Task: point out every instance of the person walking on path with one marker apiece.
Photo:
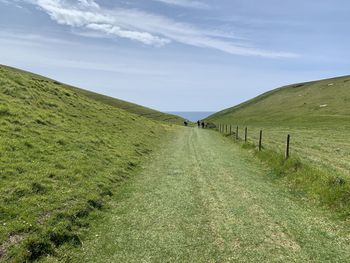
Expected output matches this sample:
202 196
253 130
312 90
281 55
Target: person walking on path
199 124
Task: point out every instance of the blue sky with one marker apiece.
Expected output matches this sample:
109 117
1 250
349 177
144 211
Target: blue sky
177 55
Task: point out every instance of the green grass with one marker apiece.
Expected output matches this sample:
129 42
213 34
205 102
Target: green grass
202 198
69 190
121 104
133 108
319 134
317 116
63 154
314 104
318 184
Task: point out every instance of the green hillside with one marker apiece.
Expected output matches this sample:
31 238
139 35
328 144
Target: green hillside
128 106
314 103
316 114
131 107
63 153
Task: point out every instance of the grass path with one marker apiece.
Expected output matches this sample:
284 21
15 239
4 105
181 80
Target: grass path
202 200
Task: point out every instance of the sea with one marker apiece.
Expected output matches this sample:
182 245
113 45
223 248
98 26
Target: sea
192 115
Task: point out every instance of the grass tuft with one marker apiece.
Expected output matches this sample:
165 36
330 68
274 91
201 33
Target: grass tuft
60 237
4 111
38 188
97 203
36 248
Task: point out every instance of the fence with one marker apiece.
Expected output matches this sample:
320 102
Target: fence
223 128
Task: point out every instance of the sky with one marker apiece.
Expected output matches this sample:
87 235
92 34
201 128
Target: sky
177 55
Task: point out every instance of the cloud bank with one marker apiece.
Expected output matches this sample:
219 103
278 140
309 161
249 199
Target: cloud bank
144 27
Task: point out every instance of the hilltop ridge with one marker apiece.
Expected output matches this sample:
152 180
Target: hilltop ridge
311 103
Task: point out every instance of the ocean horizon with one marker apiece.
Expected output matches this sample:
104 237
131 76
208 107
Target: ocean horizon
192 115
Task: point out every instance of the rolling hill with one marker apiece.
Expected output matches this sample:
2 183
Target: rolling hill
132 108
316 114
121 104
324 102
63 153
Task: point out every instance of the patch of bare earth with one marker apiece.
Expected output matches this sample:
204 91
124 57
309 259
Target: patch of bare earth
13 240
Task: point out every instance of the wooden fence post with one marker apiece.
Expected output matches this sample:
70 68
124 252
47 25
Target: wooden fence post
226 129
260 140
246 134
287 147
230 129
237 133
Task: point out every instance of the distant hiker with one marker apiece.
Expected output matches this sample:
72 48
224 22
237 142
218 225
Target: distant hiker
199 124
186 123
203 124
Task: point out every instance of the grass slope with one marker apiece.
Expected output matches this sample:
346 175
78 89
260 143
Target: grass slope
62 155
317 103
204 199
316 114
133 108
121 104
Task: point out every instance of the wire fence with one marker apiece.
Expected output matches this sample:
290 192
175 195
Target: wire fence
227 129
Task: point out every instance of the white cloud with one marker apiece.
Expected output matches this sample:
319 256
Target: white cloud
144 27
87 14
21 47
143 37
88 3
185 3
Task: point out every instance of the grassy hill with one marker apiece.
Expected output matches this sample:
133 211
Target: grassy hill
131 107
317 103
63 153
121 104
316 114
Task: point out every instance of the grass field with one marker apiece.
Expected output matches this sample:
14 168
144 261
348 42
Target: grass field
202 198
317 116
62 155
